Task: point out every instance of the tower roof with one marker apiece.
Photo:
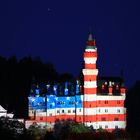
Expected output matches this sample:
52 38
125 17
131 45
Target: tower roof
90 37
91 43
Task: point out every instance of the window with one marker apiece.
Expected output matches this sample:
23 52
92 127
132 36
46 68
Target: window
74 111
106 126
58 103
103 119
116 126
62 111
106 110
79 110
118 102
118 110
41 118
116 119
99 110
58 111
106 102
71 102
69 111
100 126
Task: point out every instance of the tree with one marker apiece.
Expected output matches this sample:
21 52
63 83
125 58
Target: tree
11 129
35 132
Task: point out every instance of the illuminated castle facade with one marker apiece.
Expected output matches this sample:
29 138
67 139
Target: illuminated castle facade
99 102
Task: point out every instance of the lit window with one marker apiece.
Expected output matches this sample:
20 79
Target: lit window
106 126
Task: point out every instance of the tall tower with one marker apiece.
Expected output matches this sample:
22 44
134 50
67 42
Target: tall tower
90 83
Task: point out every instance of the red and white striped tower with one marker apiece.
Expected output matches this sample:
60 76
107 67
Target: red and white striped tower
90 83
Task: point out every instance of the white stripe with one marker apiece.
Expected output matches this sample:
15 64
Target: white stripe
91 50
90 60
110 110
66 110
89 111
91 123
111 124
90 97
88 84
90 71
108 97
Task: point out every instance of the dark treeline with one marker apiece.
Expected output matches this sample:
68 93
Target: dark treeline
16 78
133 108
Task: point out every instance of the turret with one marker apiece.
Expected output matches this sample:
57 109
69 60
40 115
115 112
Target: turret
90 82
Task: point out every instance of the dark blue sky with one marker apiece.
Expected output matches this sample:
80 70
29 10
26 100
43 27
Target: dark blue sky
57 30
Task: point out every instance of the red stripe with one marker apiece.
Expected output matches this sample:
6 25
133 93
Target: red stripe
89 118
90 54
110 103
90 66
90 90
80 118
90 77
111 117
89 104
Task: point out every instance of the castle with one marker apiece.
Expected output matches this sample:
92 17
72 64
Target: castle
98 102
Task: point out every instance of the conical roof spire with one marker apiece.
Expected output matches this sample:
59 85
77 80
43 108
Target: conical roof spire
91 43
90 37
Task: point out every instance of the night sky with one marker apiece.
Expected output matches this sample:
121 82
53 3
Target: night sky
57 31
